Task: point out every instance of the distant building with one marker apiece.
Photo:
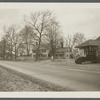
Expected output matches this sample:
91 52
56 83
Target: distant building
91 47
63 52
43 51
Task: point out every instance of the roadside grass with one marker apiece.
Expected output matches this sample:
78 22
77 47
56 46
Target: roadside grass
62 63
11 80
70 63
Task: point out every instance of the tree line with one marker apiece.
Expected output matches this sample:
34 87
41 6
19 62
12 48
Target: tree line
40 27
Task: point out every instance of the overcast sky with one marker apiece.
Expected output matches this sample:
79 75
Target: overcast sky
73 17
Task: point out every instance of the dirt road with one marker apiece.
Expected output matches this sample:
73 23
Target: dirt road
74 79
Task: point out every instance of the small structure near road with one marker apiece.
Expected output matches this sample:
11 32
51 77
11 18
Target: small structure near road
91 51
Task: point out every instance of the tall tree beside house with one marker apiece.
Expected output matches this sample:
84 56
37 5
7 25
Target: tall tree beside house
72 41
40 21
78 38
12 38
28 37
8 32
53 35
17 43
3 47
69 42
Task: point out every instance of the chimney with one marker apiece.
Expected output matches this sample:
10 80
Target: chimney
61 43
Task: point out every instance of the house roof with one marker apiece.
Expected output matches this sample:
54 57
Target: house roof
62 49
42 46
89 43
98 39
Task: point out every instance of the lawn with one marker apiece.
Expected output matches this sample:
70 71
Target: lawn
70 63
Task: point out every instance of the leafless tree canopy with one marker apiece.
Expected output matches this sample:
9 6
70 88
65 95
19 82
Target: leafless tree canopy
78 38
40 22
39 27
12 38
53 36
28 37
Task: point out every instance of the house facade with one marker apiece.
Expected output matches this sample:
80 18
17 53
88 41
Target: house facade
63 53
91 47
43 51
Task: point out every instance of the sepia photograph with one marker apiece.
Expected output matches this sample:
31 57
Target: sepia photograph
49 47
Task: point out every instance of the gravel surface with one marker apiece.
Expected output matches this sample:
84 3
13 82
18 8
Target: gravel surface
11 80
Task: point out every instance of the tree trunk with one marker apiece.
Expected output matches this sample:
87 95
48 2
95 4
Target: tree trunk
27 50
4 52
15 52
37 53
11 52
52 48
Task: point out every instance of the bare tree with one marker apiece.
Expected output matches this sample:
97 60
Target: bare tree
69 42
27 34
72 41
3 47
40 21
53 35
78 38
16 42
12 39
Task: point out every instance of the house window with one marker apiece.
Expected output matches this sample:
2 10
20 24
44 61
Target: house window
34 51
44 55
43 50
94 48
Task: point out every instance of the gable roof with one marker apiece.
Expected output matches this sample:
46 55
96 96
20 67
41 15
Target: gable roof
90 43
64 49
98 39
42 46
